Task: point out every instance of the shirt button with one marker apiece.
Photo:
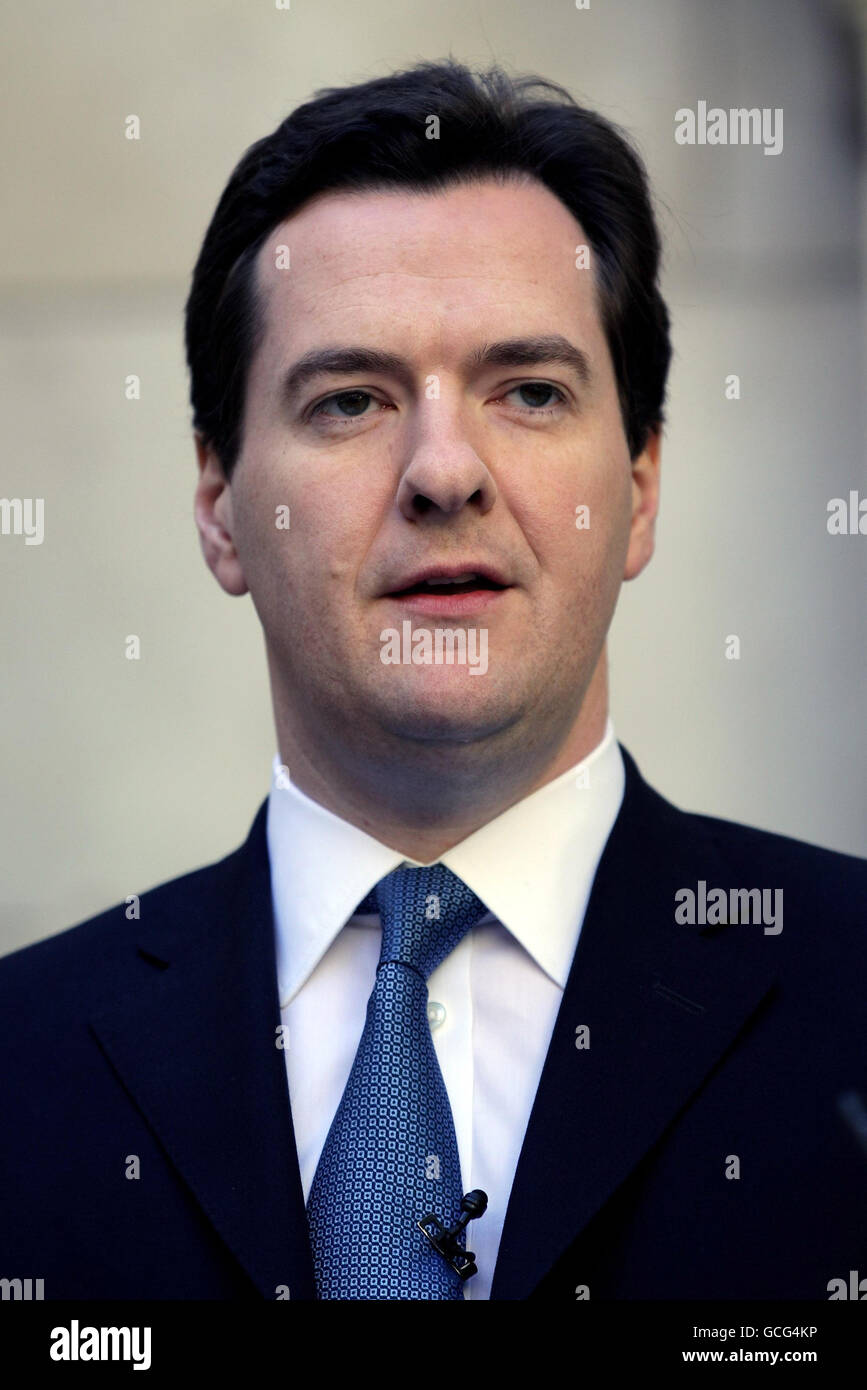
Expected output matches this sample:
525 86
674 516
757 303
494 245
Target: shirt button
436 1014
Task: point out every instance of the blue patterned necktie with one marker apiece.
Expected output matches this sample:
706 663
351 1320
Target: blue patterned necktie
391 1154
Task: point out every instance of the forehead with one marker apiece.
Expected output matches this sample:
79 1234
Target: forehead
418 263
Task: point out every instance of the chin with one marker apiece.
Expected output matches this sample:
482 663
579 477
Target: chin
438 716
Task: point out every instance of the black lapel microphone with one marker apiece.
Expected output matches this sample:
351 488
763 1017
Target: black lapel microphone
473 1204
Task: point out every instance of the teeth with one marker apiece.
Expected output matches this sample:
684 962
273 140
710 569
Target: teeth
451 579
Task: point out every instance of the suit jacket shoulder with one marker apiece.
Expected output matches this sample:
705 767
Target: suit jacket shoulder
829 883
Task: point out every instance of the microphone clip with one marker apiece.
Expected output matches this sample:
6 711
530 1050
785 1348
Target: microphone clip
463 1262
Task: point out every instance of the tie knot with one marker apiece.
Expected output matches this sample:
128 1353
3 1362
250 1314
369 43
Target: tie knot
425 912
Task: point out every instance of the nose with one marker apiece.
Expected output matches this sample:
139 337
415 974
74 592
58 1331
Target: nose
444 475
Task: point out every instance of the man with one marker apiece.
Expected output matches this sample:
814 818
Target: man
465 946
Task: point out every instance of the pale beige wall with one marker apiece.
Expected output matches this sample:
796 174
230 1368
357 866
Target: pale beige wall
119 774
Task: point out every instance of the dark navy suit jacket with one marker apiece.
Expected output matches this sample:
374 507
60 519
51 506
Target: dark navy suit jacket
156 1038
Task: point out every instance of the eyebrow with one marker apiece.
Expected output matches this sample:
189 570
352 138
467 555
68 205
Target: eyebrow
510 352
530 352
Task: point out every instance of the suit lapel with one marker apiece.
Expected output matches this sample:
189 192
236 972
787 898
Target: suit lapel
191 1031
192 1034
662 1003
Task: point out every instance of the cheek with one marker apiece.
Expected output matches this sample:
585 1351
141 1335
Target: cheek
278 516
577 525
604 510
302 544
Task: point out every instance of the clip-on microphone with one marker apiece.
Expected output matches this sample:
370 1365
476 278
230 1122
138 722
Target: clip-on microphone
473 1204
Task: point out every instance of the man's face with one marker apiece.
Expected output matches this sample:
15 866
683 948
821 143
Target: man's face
463 454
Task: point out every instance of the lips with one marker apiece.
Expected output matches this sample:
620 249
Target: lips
449 581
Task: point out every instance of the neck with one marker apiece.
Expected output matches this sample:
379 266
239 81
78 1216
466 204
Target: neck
424 800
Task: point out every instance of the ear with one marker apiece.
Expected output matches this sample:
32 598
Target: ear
645 504
213 512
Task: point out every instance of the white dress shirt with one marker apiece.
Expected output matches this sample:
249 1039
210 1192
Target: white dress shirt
492 1002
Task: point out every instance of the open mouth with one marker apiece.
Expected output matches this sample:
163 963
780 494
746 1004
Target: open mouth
461 584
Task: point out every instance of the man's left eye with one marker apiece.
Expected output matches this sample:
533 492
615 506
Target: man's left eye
537 395
348 405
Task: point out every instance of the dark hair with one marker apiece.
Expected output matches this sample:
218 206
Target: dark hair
373 135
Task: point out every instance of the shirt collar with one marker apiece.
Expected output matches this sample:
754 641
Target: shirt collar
533 865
